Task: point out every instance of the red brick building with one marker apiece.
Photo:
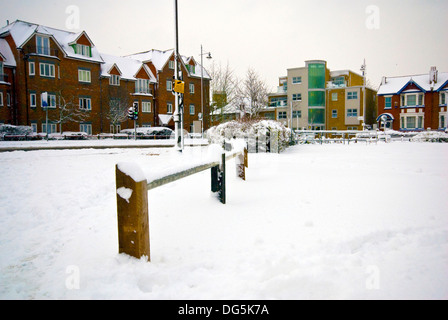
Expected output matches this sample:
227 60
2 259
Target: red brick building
88 91
413 103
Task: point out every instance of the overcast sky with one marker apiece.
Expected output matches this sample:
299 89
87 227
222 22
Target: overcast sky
396 37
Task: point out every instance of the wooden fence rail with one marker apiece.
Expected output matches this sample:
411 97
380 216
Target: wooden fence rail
132 198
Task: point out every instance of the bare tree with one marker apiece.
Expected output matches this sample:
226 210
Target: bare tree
254 90
118 112
67 111
223 87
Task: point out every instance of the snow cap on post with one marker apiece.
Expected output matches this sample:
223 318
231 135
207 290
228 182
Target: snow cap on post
132 170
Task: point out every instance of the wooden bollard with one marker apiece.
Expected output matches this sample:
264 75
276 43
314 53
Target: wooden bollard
132 209
241 164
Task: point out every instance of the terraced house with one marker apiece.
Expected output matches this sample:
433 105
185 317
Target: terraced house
89 91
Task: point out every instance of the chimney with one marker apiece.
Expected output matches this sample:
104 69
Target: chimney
433 75
384 81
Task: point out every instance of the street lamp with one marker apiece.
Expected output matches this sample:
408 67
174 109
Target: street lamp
209 56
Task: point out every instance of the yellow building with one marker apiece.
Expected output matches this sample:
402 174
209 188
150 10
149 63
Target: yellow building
348 107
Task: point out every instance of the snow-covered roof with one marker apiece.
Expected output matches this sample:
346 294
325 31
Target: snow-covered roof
22 31
160 58
6 53
128 67
339 73
396 85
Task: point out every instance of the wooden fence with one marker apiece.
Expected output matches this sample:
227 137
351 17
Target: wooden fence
132 199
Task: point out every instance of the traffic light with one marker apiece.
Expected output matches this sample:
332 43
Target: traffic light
131 113
135 110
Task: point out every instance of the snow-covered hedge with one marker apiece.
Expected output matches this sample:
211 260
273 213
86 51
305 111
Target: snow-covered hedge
7 129
431 136
248 129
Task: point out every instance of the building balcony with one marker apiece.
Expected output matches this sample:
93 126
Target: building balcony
336 84
41 51
3 77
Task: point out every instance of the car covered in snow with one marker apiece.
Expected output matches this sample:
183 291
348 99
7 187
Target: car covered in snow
156 133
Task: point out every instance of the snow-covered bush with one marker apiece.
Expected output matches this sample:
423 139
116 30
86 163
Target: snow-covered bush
248 129
7 129
431 136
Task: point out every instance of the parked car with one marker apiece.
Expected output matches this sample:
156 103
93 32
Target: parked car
156 133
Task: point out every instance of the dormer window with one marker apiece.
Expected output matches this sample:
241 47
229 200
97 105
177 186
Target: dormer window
191 68
43 45
114 80
142 86
83 50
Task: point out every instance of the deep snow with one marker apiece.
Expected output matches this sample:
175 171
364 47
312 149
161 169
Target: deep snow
317 221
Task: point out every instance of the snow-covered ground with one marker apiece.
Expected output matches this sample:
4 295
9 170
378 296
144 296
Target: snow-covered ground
315 222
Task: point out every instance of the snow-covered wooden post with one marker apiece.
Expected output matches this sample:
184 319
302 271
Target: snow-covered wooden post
132 208
241 164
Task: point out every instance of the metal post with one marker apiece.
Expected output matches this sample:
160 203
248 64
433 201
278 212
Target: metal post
202 94
178 132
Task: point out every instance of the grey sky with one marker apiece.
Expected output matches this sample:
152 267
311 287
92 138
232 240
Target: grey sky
268 35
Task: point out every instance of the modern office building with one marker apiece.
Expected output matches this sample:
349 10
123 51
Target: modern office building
314 98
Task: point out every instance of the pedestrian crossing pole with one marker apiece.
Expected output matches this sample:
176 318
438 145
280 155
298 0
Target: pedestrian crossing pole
178 112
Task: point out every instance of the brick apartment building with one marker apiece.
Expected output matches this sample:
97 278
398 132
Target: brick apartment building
89 91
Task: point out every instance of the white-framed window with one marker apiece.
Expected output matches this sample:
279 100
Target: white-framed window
33 100
191 88
83 50
169 107
443 97
352 112
52 127
142 86
1 99
84 76
169 85
171 64
85 127
334 113
334 96
297 97
47 70
192 111
51 101
191 68
352 95
442 121
297 114
115 129
297 80
387 102
85 103
114 80
32 68
411 122
43 45
146 106
412 100
282 115
34 126
8 99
